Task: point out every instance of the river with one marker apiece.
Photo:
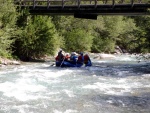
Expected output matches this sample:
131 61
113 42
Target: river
119 85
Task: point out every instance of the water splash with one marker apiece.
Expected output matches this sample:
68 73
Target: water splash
104 88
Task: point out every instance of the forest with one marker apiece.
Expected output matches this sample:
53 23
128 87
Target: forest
24 36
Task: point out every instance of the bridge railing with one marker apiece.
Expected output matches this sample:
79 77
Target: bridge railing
78 3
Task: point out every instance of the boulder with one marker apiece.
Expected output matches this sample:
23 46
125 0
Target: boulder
106 56
5 61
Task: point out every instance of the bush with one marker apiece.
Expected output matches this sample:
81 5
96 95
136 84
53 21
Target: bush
78 40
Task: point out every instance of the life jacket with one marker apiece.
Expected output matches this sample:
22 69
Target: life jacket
67 57
86 59
56 58
80 59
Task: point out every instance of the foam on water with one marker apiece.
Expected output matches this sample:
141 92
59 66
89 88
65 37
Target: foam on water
114 89
126 58
40 88
69 93
21 89
26 86
121 58
22 108
67 111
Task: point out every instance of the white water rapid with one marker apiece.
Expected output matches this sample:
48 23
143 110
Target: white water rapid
119 85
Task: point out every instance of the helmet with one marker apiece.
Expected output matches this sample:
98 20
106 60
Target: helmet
73 53
81 53
67 54
60 50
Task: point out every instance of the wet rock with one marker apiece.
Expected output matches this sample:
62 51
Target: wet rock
15 63
102 56
106 56
118 50
4 61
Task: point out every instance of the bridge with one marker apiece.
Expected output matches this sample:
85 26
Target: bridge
86 8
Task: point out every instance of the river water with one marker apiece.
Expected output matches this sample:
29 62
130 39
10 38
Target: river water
119 85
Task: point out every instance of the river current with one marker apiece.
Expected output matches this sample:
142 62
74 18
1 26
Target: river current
119 85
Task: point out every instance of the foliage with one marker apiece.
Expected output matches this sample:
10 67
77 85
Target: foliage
35 36
7 26
76 32
103 45
143 33
38 37
108 32
78 40
126 39
113 31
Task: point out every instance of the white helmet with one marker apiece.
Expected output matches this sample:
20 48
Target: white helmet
60 50
73 53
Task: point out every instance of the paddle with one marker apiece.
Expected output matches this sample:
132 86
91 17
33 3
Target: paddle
62 62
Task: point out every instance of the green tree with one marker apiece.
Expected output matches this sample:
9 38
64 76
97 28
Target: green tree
78 40
77 33
7 26
110 31
105 33
143 40
126 39
39 37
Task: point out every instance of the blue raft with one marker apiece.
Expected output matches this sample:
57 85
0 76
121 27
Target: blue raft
69 64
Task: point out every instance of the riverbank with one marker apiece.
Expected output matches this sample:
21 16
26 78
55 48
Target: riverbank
5 61
97 56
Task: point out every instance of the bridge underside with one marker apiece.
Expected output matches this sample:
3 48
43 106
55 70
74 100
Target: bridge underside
137 9
89 11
